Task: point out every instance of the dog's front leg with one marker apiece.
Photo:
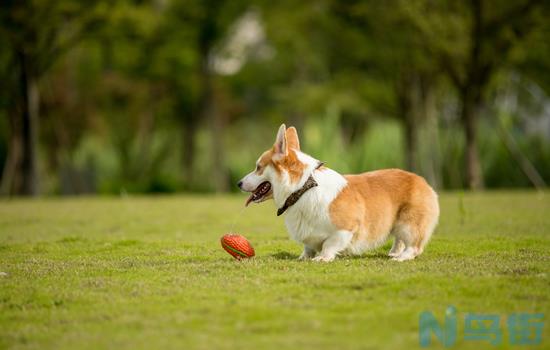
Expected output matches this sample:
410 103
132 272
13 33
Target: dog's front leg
307 254
334 245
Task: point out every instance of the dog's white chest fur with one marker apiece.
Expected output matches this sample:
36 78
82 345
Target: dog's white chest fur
308 220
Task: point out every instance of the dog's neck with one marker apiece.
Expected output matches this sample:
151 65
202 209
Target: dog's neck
296 195
316 199
284 186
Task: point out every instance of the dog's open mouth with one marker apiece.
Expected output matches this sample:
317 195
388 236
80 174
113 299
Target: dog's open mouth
260 194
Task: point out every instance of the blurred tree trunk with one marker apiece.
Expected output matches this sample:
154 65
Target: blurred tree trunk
470 86
469 116
296 116
431 158
411 142
219 166
471 96
21 175
209 110
490 42
31 102
11 174
36 44
416 103
213 115
188 151
407 95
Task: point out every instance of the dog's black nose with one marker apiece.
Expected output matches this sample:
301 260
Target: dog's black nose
240 184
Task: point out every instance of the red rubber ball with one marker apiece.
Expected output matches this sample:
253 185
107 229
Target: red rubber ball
237 246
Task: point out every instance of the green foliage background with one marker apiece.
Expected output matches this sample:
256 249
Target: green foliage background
122 90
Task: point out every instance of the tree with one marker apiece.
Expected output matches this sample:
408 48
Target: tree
35 44
205 24
398 58
473 40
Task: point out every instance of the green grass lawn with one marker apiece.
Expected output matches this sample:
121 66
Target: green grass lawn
149 272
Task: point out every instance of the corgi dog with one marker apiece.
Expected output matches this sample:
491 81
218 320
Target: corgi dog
333 214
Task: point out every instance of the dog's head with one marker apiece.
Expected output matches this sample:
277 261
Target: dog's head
280 170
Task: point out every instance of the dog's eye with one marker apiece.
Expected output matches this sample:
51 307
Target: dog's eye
258 167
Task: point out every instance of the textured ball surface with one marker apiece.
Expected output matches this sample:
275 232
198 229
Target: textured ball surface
237 246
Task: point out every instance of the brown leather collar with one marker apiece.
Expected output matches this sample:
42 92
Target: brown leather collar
295 196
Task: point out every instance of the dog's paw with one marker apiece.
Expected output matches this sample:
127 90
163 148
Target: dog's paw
307 254
403 257
323 258
407 254
304 256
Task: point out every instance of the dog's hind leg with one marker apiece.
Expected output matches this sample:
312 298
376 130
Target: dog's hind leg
397 247
405 236
426 228
334 245
415 227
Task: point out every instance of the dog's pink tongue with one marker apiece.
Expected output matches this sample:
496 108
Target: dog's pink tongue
249 199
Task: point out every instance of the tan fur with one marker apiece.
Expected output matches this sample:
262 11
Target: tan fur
377 202
265 160
292 138
290 163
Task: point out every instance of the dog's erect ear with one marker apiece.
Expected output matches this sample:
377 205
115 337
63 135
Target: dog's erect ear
292 138
281 146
